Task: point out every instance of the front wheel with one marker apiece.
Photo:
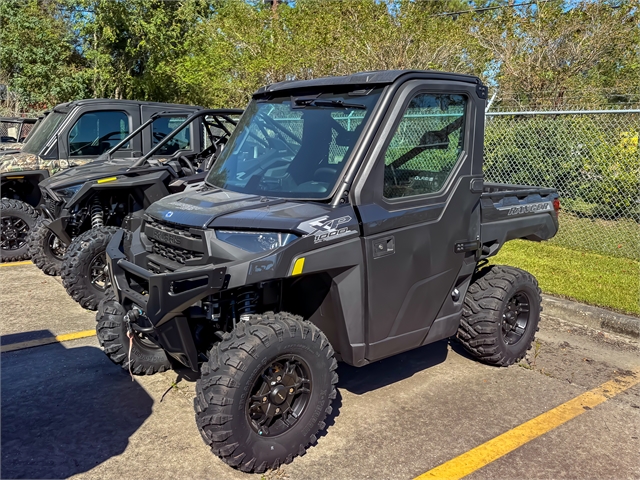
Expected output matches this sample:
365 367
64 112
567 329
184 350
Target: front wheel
46 249
500 315
84 267
265 391
18 220
143 358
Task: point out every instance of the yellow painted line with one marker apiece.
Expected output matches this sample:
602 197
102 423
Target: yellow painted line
46 341
297 268
499 446
15 264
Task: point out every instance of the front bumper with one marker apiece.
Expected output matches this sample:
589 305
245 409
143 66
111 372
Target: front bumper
164 297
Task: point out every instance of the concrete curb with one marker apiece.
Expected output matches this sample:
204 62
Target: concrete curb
594 317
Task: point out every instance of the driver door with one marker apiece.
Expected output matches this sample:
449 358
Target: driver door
418 206
96 131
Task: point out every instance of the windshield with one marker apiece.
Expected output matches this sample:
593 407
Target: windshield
293 147
38 139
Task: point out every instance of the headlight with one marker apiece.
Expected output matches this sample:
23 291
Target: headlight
256 242
69 192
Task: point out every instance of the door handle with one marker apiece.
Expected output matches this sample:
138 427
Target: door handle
383 247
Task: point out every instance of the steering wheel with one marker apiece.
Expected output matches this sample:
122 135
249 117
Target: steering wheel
186 163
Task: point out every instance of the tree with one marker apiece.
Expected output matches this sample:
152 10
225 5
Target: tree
38 56
544 50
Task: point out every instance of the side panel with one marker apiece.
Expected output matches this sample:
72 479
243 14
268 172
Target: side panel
338 272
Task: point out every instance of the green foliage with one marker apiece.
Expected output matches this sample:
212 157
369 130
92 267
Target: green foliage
38 56
587 277
217 52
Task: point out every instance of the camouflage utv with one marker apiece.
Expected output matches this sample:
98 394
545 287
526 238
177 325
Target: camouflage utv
71 134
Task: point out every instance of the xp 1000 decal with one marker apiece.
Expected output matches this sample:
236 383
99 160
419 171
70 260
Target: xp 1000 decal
323 229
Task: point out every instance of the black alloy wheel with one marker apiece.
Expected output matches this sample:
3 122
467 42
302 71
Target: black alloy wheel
46 249
515 318
56 247
85 274
279 396
265 391
14 233
100 272
17 221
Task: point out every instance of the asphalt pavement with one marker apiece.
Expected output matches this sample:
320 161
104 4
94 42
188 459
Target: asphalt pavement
67 411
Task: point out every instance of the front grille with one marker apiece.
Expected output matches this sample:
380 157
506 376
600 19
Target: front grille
168 250
171 228
175 254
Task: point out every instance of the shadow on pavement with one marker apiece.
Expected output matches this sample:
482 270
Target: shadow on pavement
385 372
64 411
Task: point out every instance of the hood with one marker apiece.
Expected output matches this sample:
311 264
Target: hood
17 161
239 211
87 172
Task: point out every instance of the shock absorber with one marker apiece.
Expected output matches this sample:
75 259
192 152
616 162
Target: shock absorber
246 302
96 213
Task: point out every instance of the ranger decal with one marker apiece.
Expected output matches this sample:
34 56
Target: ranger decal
530 208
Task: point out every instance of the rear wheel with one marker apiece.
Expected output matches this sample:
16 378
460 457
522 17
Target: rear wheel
500 315
265 391
17 221
84 267
46 249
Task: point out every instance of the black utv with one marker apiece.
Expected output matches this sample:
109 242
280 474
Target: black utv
70 134
346 219
86 204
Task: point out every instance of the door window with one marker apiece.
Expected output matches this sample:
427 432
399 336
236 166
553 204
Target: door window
426 145
163 126
96 132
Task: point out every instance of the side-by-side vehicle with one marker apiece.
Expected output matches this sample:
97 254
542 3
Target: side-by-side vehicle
346 219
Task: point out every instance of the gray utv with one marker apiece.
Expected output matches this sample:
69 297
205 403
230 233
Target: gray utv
347 219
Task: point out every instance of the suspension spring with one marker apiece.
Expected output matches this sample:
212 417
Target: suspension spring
96 214
246 302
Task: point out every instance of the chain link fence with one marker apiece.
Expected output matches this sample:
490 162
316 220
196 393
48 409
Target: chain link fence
591 157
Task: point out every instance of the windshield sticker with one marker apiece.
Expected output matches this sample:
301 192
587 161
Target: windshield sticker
323 229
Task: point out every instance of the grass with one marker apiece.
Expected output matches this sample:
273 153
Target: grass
592 278
618 238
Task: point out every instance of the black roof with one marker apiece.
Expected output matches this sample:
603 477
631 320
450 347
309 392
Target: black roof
92 101
379 77
18 120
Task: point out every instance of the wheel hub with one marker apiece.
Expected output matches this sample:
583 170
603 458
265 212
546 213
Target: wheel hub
14 233
515 318
279 396
100 273
56 247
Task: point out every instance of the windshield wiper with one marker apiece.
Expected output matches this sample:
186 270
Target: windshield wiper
312 102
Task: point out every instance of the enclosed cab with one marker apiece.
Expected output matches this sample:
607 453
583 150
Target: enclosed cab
347 218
